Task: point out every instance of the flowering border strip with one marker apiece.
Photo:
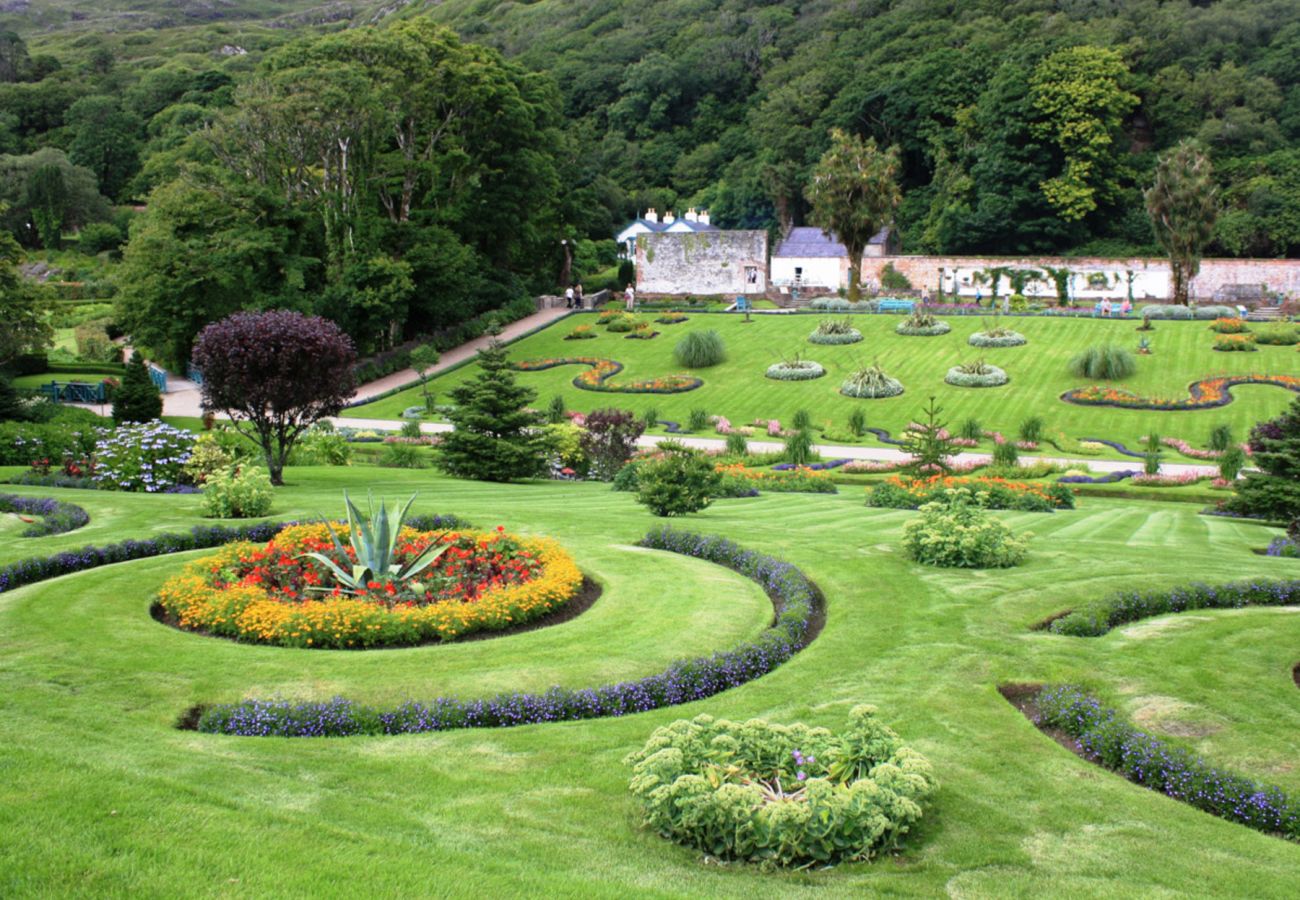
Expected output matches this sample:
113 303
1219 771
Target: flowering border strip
1103 738
602 370
200 537
57 517
1122 607
1108 478
1207 393
797 606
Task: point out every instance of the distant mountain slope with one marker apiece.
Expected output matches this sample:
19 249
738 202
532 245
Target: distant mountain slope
33 16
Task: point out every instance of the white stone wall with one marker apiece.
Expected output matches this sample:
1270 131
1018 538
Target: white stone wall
706 262
807 271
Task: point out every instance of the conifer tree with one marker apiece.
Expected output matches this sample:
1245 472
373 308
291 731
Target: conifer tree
1274 491
137 399
495 437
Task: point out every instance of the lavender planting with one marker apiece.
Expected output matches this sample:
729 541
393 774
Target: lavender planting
1122 607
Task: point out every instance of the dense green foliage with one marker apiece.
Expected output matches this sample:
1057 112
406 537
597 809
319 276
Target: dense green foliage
681 481
137 399
956 532
1108 362
700 350
1274 491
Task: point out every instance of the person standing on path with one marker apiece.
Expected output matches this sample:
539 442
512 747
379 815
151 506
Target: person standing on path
577 296
568 297
629 295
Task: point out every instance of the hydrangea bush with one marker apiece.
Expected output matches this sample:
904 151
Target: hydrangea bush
781 794
150 456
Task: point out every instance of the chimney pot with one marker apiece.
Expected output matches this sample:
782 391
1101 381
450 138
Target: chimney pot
704 217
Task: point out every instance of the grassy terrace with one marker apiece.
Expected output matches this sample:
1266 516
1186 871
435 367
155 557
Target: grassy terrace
737 389
101 795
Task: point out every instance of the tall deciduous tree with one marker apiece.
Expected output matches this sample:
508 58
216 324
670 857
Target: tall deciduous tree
26 327
1183 205
1079 94
106 141
853 194
275 374
496 437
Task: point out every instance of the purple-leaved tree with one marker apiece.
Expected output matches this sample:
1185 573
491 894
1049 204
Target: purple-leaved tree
275 373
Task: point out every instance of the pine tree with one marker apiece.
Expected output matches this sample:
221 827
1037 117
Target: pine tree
495 437
1274 492
137 399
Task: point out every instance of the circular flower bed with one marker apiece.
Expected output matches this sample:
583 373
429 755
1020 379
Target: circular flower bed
275 594
852 336
988 376
871 383
784 794
1004 339
798 370
937 328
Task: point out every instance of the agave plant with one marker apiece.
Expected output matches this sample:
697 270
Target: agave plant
374 540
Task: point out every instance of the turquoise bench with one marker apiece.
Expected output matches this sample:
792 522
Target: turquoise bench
906 306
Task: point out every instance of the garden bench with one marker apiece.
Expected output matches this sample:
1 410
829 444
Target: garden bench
906 306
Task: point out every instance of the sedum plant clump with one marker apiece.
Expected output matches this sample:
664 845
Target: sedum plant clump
786 795
957 532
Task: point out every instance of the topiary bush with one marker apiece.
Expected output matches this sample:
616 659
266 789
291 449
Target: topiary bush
700 350
956 532
680 482
976 374
238 492
871 383
922 324
1107 362
787 795
835 331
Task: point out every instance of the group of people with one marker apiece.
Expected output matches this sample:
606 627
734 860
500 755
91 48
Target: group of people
1105 307
573 297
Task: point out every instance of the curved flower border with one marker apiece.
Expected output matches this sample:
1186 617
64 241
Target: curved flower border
795 599
1204 394
602 370
56 516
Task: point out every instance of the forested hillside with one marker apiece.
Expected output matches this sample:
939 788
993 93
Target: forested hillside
727 103
401 179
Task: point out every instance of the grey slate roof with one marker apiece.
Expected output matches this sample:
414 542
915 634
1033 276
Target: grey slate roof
664 226
813 243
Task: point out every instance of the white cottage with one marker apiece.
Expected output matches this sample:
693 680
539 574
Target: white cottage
810 258
695 220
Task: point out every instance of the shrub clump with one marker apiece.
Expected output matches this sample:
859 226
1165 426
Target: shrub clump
1235 343
835 331
1107 362
976 374
680 482
1229 325
1173 771
955 531
922 324
781 794
700 350
1284 336
871 383
238 493
621 324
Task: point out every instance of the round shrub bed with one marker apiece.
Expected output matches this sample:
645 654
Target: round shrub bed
934 330
850 337
798 617
55 516
1003 339
276 594
795 370
784 794
987 376
871 383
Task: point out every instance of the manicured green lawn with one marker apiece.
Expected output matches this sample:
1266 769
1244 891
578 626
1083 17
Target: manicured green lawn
35 381
101 795
738 390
